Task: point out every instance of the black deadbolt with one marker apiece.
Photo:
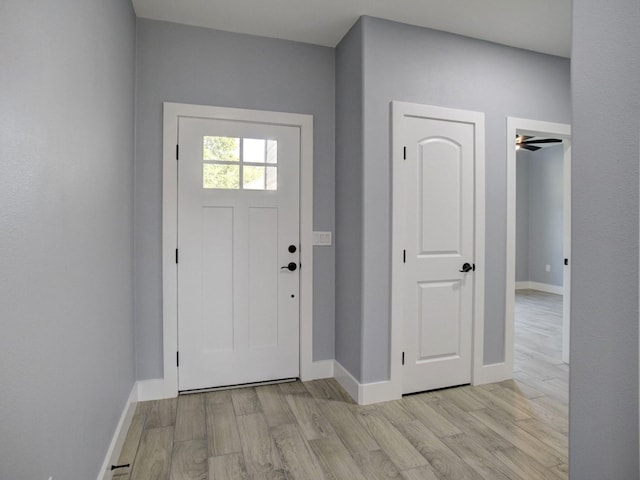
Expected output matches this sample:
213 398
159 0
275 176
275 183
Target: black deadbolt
292 249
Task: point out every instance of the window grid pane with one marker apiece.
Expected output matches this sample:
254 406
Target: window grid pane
224 149
254 178
220 176
254 150
239 163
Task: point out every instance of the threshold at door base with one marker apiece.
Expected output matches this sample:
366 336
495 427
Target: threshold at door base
436 389
240 385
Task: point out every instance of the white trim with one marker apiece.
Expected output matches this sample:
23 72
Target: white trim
347 381
541 287
364 393
531 127
496 372
120 435
317 370
478 367
566 301
155 389
400 109
172 111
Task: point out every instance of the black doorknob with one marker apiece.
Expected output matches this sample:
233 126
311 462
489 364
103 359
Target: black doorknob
466 268
291 267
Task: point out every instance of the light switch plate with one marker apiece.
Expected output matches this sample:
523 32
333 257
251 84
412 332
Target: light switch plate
322 238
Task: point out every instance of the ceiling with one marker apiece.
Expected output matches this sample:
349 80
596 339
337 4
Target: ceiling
540 25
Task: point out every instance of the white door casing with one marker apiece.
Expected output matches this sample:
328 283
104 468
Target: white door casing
566 299
437 311
167 387
546 129
238 314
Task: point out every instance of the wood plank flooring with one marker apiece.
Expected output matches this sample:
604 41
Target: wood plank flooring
515 430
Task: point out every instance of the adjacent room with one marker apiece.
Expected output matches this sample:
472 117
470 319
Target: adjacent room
295 240
542 296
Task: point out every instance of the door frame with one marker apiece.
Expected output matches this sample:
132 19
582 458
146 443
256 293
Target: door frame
172 111
398 237
535 127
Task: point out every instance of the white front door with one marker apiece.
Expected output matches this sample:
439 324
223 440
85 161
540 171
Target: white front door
439 190
238 226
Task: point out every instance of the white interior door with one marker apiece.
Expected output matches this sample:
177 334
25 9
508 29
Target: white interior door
438 180
238 225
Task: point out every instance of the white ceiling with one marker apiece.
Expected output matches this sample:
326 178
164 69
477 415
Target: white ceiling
540 25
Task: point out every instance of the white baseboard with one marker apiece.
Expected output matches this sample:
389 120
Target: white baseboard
542 287
158 388
364 393
493 373
376 392
347 381
154 389
318 370
120 435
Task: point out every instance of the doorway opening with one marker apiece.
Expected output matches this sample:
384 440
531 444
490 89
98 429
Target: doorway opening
538 250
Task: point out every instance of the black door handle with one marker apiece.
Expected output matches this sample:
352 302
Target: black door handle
466 268
291 267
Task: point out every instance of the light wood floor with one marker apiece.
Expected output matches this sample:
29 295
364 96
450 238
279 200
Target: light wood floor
312 430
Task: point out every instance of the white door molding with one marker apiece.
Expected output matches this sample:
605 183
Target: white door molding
534 128
168 386
399 110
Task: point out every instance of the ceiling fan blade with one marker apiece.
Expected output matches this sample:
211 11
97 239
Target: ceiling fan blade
522 138
542 140
531 148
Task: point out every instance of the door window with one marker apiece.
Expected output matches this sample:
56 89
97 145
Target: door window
239 163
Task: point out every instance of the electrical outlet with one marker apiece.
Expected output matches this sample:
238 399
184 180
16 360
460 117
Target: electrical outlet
547 268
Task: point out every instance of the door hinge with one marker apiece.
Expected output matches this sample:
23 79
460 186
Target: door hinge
566 261
474 267
403 358
177 359
177 152
405 153
404 256
176 255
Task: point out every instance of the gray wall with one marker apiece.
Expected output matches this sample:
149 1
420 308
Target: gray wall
522 215
542 207
546 215
66 214
349 118
178 63
603 413
420 65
